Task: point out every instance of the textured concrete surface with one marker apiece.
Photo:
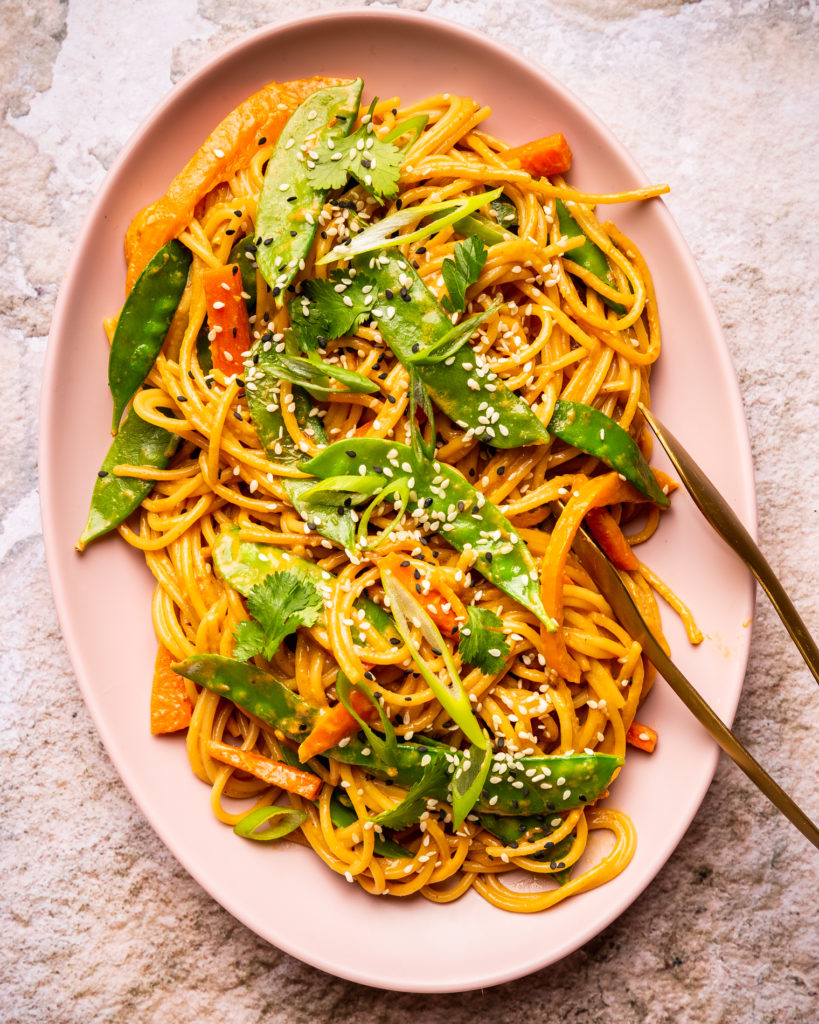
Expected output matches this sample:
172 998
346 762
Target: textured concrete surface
720 97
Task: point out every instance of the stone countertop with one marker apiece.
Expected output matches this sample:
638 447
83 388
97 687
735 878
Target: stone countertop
100 923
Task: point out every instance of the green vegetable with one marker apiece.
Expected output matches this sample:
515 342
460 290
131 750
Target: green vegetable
515 786
280 603
144 322
461 271
481 641
264 401
374 163
451 696
418 330
315 377
513 831
506 212
433 776
288 820
593 432
289 205
115 497
328 309
244 565
588 255
342 814
447 504
378 235
469 779
451 342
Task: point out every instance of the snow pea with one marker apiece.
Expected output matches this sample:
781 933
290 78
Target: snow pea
446 504
342 814
589 256
468 394
289 206
244 564
115 497
330 518
516 785
144 322
592 431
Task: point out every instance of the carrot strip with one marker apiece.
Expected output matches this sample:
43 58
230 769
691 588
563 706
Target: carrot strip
224 152
274 773
171 708
590 494
335 725
642 737
543 157
609 536
228 325
433 601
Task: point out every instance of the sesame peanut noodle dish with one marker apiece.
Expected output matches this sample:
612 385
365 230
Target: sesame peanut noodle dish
374 370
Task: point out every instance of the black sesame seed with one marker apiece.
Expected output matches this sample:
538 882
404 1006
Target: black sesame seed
351 453
102 473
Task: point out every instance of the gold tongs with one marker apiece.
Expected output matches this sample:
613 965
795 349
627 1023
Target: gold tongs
721 516
610 585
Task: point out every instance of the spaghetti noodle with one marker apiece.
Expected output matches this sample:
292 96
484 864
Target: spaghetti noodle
553 331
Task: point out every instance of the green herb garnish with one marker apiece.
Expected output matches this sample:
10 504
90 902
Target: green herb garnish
461 271
279 605
481 641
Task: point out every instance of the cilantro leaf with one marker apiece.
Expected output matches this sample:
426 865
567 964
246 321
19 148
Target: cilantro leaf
249 640
281 603
462 271
322 312
409 811
481 642
374 163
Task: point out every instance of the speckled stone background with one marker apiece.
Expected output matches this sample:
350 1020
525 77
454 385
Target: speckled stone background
100 923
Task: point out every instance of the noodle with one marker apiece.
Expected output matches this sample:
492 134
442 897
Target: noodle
556 338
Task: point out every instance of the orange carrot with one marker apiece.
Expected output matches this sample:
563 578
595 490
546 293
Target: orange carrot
274 773
171 708
228 148
590 494
642 737
335 725
432 601
609 536
228 325
543 157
